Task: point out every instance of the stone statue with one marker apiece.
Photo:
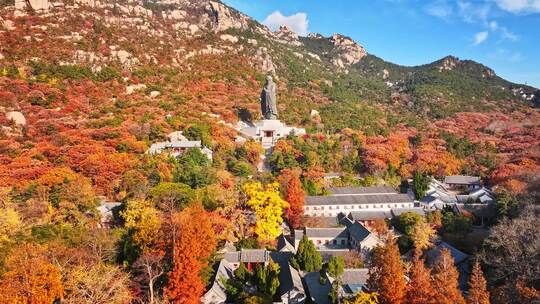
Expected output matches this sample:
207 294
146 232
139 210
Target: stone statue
268 99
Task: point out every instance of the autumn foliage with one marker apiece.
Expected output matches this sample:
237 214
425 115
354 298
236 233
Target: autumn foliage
195 243
31 278
478 293
294 195
419 288
445 280
387 274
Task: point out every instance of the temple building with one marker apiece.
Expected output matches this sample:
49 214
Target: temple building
270 129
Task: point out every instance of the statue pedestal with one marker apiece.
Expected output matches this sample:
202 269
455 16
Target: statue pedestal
268 131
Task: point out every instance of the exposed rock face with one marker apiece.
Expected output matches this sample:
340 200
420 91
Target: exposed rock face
20 5
449 63
265 60
286 35
125 58
385 74
347 51
90 3
16 117
8 25
39 5
230 38
224 18
130 89
488 73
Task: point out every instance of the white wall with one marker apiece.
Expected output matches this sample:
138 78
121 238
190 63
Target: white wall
324 210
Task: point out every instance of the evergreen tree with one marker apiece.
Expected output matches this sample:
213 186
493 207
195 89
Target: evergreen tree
445 280
420 184
268 278
419 289
241 273
386 274
478 293
336 266
307 257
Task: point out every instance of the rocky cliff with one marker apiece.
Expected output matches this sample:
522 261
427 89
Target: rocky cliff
210 39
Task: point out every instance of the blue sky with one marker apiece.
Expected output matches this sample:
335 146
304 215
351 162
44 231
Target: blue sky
502 34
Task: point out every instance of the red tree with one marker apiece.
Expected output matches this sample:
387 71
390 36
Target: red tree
294 195
194 245
419 290
478 293
445 280
386 274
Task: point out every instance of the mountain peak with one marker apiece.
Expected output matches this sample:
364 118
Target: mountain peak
286 35
347 51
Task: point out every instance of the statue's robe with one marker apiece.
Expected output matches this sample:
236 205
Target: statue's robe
268 101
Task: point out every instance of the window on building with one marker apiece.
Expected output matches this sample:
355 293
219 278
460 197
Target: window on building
318 242
334 242
342 242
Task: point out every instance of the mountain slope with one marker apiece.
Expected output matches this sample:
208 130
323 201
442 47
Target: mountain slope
108 78
200 35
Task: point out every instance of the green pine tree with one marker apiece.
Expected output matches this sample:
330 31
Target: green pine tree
307 257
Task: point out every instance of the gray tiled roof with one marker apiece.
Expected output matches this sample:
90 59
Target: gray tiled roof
289 278
434 253
362 190
318 293
247 256
284 244
358 232
298 234
358 199
370 215
327 232
354 279
462 180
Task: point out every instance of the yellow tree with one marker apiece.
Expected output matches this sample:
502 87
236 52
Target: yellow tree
10 223
364 298
268 206
143 222
421 235
30 278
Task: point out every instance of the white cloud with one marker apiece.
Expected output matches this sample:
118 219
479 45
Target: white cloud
508 35
480 37
502 31
473 12
297 22
506 55
440 8
519 6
